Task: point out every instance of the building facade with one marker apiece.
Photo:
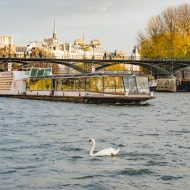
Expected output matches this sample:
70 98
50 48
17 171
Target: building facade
6 40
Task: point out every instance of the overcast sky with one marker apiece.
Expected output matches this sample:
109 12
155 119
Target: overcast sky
115 22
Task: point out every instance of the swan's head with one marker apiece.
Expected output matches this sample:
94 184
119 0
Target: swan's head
92 141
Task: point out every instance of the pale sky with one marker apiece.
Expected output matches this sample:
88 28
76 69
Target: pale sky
115 22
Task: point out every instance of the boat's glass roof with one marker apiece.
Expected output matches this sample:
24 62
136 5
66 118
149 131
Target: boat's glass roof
40 72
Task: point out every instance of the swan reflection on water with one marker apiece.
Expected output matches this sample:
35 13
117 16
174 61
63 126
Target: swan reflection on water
105 152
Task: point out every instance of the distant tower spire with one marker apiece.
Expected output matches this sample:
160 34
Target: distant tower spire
54 30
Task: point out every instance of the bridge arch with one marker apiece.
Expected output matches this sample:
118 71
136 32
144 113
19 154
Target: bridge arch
142 64
181 69
67 64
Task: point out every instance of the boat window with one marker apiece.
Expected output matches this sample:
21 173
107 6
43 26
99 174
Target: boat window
142 85
40 72
65 84
47 72
109 84
130 84
119 85
70 84
59 84
79 84
33 72
94 84
32 84
41 84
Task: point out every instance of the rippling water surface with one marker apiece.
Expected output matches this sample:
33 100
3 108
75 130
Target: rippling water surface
44 145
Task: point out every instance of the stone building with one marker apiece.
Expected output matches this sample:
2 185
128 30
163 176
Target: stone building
7 48
6 40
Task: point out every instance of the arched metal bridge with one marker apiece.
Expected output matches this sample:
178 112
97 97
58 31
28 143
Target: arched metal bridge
156 67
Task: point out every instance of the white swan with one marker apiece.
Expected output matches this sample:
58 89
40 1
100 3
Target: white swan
105 152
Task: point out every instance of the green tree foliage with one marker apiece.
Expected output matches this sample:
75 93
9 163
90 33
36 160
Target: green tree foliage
168 34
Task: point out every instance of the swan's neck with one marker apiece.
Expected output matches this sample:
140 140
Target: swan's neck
92 149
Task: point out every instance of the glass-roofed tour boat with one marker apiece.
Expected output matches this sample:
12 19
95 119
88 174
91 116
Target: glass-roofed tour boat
39 83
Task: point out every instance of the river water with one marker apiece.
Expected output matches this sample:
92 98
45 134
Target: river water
44 145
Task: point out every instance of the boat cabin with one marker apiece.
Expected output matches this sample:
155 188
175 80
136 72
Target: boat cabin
117 84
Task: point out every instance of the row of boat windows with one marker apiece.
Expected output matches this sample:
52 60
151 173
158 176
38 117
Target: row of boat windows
108 84
92 84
